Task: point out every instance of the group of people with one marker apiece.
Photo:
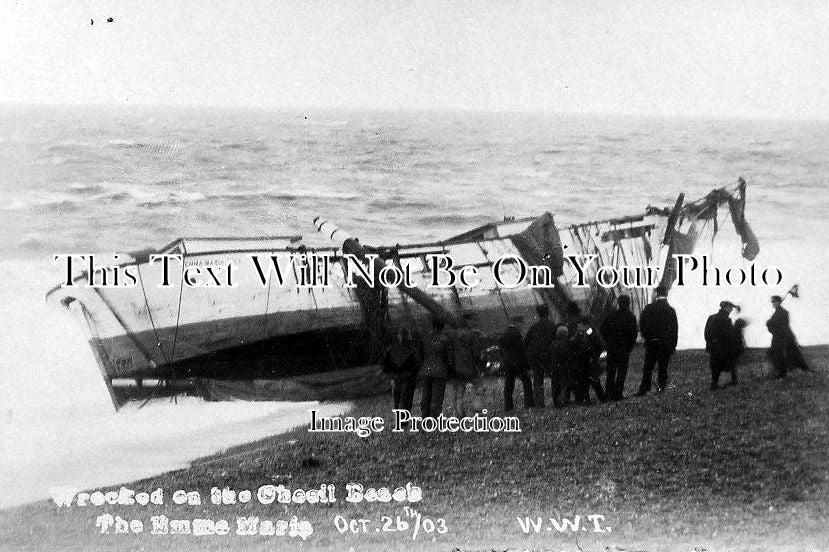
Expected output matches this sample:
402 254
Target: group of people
443 357
724 342
568 355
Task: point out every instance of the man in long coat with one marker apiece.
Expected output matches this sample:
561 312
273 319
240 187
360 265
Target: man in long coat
784 349
586 347
539 342
660 330
468 346
436 368
619 332
720 343
514 364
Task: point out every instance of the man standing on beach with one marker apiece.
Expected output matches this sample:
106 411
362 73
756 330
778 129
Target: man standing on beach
586 347
784 348
401 363
437 365
467 350
561 367
539 342
720 344
660 330
619 332
514 364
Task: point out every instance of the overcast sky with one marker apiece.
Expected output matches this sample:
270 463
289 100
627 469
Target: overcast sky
698 58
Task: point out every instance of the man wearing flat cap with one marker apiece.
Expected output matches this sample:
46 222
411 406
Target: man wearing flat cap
720 344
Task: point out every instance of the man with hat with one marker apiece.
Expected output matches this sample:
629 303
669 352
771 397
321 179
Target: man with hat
619 331
719 342
514 364
539 343
784 349
660 330
586 347
468 346
438 364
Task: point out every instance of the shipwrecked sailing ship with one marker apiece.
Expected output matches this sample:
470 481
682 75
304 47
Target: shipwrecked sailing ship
291 342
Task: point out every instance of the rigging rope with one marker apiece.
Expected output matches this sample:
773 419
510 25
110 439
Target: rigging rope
167 361
150 315
178 317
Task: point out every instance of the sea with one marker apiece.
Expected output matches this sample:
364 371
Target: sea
106 180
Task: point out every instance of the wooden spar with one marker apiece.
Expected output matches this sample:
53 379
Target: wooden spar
669 231
668 244
352 246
